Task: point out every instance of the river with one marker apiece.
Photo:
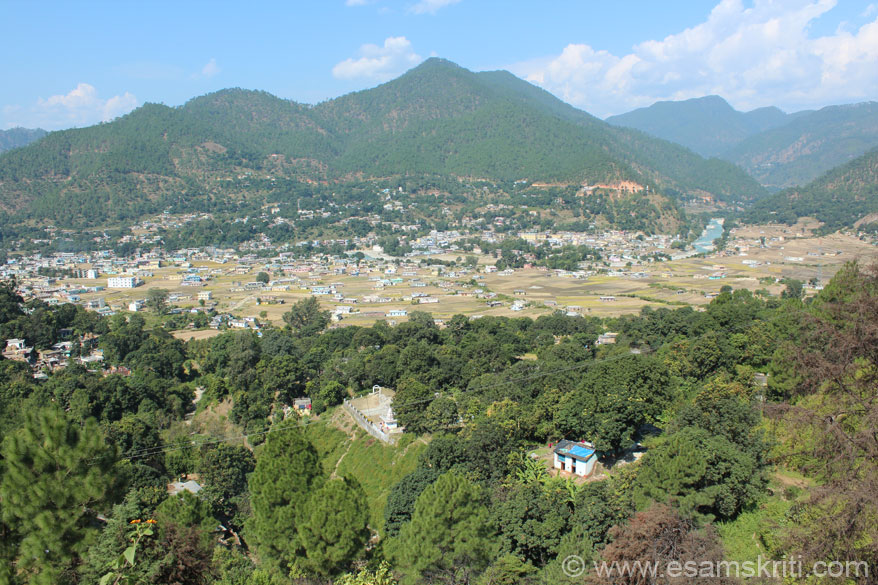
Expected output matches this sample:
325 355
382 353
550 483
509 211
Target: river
713 230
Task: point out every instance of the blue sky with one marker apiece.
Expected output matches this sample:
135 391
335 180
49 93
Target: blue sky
76 63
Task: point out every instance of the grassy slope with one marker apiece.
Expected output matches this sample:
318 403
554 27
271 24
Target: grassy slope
348 451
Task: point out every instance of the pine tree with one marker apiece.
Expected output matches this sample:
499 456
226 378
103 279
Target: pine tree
287 471
333 527
449 536
58 476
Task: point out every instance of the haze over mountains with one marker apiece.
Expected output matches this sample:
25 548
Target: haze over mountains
437 119
777 149
18 137
843 197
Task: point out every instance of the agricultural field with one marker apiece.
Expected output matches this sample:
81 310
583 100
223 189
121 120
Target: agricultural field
756 258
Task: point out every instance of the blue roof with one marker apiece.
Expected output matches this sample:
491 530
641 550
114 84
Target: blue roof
577 451
583 452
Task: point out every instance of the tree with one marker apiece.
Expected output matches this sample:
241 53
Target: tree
705 476
223 471
831 423
598 508
614 399
58 477
287 470
410 405
305 318
654 538
263 277
449 538
402 497
157 300
333 527
532 519
793 290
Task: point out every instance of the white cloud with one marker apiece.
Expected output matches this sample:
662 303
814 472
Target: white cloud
379 63
753 56
82 106
210 69
431 6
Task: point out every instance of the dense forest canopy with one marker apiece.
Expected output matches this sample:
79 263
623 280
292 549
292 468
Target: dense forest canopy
222 149
693 448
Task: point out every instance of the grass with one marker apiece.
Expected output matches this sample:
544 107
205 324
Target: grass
348 451
757 531
754 532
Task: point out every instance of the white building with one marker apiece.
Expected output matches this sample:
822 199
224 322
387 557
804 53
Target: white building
122 282
575 458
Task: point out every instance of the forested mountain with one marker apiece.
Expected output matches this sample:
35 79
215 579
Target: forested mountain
437 119
809 145
842 197
707 125
17 137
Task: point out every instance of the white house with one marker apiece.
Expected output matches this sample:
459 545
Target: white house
122 282
576 458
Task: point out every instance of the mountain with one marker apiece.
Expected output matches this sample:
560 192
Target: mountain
843 197
707 125
437 119
17 137
809 145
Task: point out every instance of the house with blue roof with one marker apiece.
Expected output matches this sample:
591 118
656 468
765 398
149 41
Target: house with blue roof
576 458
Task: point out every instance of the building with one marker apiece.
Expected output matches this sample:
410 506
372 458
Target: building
122 282
205 295
606 338
576 458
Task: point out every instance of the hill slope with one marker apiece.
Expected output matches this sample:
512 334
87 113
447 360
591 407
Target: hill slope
707 125
809 145
842 197
18 137
437 119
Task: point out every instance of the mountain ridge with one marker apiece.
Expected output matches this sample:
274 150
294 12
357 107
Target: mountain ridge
842 197
436 119
707 125
18 137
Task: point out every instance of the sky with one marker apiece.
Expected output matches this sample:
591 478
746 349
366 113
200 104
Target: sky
73 64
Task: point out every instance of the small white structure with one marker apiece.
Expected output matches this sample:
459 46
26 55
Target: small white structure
178 487
606 338
92 273
122 282
205 295
576 458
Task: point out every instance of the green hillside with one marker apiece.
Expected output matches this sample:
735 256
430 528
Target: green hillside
841 197
808 146
707 125
18 137
437 119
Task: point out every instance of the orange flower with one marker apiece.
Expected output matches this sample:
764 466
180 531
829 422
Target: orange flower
137 521
150 521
